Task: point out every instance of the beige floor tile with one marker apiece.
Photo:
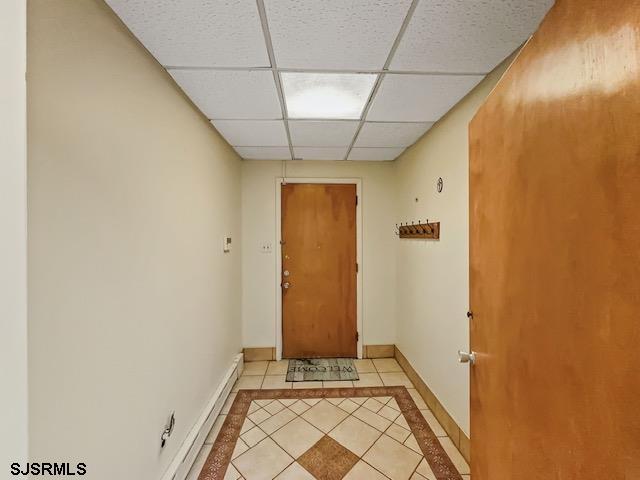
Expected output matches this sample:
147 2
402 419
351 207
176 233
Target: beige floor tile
433 423
392 458
412 443
393 404
425 470
397 432
299 385
278 420
239 449
254 368
297 437
324 416
373 419
228 403
264 402
253 436
338 384
364 366
274 407
417 476
295 472
355 435
395 379
231 473
387 365
335 401
215 429
262 462
417 399
198 463
383 399
388 413
275 381
368 380
373 405
458 460
299 407
288 401
278 368
402 422
246 426
358 400
259 416
248 382
348 405
253 406
311 401
364 471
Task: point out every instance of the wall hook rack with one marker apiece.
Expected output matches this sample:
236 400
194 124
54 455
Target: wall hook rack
427 230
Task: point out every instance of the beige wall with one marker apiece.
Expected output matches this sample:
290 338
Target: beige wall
259 224
134 310
433 277
13 234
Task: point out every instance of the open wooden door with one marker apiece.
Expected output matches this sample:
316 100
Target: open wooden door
555 253
319 309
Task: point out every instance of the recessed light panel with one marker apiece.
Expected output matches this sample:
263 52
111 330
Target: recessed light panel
326 95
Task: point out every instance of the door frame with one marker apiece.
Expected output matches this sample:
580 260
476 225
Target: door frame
278 267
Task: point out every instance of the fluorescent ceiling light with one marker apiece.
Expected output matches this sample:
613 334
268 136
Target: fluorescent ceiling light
326 95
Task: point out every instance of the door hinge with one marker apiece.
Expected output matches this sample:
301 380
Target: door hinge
356 199
357 336
357 268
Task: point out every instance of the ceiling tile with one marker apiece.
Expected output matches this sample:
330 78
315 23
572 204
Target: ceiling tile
466 36
364 153
419 98
326 95
264 153
317 153
334 34
390 134
253 133
306 133
197 33
231 94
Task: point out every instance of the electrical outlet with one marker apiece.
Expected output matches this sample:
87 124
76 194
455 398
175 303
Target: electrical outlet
168 430
266 247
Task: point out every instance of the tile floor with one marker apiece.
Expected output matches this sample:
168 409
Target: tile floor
367 438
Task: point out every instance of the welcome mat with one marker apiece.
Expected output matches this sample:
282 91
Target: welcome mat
319 369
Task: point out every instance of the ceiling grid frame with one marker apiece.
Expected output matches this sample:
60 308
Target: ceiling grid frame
385 68
391 100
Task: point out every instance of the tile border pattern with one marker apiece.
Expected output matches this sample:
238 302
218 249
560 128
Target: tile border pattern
455 433
220 456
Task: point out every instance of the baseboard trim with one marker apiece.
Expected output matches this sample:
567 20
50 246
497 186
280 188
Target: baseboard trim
456 434
378 351
257 354
181 464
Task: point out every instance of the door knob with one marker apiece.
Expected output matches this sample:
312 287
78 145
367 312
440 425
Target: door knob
466 357
285 285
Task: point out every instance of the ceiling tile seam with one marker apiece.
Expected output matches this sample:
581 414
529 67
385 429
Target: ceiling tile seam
274 68
326 70
376 87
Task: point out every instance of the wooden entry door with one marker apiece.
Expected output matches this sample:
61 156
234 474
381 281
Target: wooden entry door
555 253
319 270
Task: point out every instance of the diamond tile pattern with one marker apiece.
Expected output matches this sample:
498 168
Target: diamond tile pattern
329 438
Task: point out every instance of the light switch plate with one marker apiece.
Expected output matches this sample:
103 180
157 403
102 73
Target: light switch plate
266 247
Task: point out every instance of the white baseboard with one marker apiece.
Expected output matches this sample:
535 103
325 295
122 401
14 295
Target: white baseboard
182 462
